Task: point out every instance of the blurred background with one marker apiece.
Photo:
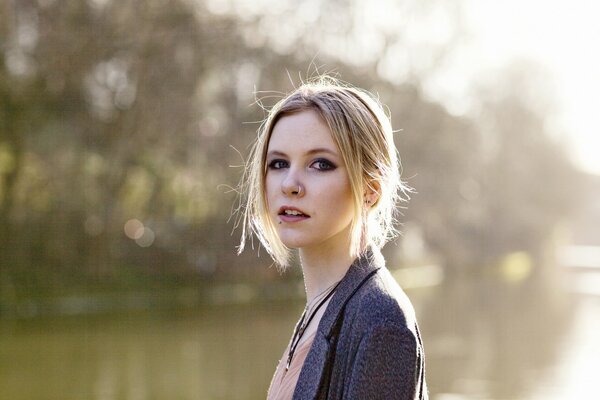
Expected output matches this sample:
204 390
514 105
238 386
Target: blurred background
123 130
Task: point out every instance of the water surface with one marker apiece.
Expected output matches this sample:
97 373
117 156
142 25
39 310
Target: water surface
484 339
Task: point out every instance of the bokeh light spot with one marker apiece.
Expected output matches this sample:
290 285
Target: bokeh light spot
516 267
134 229
147 237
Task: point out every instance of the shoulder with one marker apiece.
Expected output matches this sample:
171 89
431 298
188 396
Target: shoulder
386 357
382 304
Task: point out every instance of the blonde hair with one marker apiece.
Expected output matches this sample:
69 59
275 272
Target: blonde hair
363 134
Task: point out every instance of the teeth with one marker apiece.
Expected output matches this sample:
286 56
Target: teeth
292 212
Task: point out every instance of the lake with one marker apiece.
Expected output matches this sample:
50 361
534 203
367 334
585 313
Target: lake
485 338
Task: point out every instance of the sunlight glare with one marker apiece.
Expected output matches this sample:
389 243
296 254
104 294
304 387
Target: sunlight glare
563 36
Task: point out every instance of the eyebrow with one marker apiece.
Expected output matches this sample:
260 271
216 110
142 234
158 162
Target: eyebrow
313 151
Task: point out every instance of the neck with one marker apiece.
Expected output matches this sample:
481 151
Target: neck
323 268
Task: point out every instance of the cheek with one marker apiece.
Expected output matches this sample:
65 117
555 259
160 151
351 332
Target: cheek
344 192
338 198
270 188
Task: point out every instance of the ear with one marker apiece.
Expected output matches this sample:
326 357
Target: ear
372 193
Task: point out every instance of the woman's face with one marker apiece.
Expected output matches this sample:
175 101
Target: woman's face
308 189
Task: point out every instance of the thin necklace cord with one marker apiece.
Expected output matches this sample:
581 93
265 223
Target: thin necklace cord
302 327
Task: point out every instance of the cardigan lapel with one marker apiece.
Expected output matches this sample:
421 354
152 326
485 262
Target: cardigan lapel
313 368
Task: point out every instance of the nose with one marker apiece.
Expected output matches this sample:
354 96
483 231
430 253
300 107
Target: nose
292 186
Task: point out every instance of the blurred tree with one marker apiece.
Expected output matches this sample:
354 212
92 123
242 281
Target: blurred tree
441 159
113 111
529 185
100 125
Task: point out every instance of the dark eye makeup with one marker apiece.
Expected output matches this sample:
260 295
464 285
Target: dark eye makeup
277 164
320 164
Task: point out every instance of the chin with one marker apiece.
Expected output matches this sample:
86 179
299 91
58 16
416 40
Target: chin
295 244
294 241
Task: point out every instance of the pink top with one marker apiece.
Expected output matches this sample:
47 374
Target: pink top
284 382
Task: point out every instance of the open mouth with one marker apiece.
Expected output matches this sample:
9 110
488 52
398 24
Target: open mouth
292 213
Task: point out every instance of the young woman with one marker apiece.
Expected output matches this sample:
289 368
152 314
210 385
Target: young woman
323 178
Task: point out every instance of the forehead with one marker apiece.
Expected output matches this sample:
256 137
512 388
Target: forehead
303 130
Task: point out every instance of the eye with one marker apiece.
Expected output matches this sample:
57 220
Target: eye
322 164
278 164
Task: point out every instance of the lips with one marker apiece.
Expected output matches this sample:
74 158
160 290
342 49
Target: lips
288 210
292 214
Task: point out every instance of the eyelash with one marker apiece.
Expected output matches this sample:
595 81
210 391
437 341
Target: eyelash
328 165
273 164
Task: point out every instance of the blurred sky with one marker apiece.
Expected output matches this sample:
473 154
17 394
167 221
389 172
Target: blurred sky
556 42
562 36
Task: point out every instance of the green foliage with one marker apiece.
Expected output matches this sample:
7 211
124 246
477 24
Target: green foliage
113 111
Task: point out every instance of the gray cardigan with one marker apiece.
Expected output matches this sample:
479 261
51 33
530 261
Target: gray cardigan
367 344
